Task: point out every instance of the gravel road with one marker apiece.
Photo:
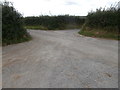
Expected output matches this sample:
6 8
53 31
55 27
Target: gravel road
60 59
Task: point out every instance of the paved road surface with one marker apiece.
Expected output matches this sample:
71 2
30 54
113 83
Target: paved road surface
61 59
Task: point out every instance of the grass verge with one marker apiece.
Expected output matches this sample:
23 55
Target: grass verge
100 34
39 27
36 27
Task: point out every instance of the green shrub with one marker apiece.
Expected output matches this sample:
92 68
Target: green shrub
12 25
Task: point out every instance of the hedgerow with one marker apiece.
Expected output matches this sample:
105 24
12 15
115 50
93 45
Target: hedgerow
103 22
12 25
55 22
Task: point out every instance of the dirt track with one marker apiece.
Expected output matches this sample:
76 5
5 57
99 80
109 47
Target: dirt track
61 59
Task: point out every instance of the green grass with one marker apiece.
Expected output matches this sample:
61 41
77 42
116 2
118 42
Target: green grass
100 34
70 26
36 27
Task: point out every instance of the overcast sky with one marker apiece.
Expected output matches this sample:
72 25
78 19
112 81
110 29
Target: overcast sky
59 7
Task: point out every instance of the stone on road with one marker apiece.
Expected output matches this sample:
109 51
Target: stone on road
61 59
